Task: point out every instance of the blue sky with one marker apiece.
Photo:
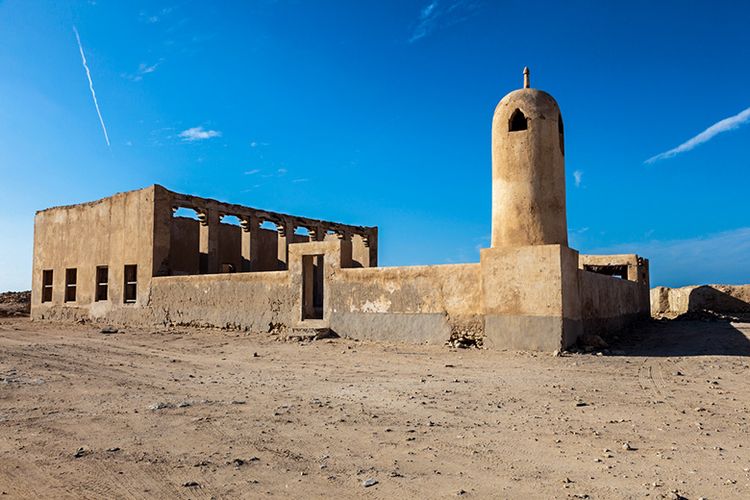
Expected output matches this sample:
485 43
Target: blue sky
379 113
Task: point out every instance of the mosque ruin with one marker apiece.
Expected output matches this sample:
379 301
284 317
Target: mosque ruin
136 258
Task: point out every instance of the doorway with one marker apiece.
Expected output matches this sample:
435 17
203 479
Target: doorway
312 287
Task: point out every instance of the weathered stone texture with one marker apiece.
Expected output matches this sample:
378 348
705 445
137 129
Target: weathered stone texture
724 299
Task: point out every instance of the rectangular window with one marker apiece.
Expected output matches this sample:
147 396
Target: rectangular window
102 282
131 284
71 276
47 285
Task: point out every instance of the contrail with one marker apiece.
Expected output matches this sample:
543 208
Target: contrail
91 86
717 128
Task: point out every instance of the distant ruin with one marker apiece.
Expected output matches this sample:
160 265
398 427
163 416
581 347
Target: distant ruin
133 258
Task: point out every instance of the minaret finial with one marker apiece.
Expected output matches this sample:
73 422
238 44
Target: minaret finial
526 78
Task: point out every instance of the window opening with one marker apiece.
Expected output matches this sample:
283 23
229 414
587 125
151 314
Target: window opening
102 283
616 271
131 284
71 276
47 285
518 121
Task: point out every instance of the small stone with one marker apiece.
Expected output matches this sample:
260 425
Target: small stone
581 403
460 493
627 447
184 404
191 484
256 355
108 330
238 462
160 406
113 449
238 402
369 482
555 353
79 452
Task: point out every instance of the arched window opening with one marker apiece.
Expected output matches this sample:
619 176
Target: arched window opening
267 224
561 130
518 121
231 220
187 213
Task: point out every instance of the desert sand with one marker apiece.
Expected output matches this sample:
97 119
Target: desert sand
183 413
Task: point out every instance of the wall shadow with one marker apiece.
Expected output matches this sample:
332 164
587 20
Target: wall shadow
685 338
709 299
715 324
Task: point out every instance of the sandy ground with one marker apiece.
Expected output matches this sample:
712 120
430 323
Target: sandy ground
245 416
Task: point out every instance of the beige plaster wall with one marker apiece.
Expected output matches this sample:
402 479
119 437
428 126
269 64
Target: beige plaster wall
530 297
528 173
423 304
260 301
609 304
672 302
115 231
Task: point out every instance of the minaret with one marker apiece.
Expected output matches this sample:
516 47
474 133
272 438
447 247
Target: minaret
528 170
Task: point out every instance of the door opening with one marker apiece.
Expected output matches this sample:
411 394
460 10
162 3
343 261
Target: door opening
312 287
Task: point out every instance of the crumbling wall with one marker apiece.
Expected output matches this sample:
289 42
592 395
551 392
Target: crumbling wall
422 304
258 302
723 299
609 304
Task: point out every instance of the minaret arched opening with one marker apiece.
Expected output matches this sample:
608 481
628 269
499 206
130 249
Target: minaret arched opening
518 121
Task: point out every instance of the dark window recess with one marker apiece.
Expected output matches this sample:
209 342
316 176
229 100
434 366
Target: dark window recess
616 271
518 121
47 285
561 131
71 277
227 268
102 282
131 284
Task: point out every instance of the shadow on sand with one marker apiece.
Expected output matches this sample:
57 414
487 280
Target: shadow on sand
715 324
685 338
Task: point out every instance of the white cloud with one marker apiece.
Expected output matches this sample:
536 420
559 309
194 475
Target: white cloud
300 180
252 172
578 177
717 128
712 259
434 16
91 86
143 69
198 134
282 171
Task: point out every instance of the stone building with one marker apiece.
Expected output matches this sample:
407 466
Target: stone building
135 258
